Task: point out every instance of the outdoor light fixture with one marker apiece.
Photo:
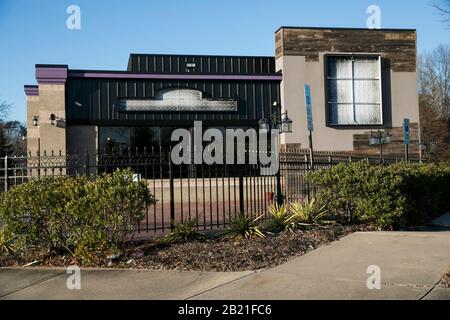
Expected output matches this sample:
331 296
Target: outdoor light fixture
35 121
283 124
278 120
52 119
286 124
380 138
264 124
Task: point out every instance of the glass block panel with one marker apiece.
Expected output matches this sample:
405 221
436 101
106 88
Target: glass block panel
366 67
341 114
339 67
368 114
340 91
367 91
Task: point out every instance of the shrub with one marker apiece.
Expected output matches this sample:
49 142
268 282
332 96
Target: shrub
309 213
243 226
394 196
183 232
6 243
87 217
282 220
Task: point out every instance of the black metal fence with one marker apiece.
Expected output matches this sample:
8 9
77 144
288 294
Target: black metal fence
211 194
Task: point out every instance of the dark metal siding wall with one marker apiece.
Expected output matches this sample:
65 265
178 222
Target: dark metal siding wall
100 100
204 64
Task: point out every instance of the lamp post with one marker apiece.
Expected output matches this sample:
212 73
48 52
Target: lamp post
283 124
380 138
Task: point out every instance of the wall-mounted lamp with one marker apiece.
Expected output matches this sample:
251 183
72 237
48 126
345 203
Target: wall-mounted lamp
285 123
52 117
264 124
380 138
278 120
35 121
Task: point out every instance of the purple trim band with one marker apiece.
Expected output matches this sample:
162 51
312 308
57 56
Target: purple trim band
51 75
31 90
114 75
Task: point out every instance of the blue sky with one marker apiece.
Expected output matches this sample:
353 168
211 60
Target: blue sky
35 31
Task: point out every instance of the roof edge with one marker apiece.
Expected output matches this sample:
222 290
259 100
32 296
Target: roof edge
344 28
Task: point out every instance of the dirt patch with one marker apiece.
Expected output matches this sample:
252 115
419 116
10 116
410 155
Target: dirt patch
226 255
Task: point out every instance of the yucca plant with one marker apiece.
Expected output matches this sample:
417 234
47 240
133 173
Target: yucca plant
243 226
309 213
183 232
282 219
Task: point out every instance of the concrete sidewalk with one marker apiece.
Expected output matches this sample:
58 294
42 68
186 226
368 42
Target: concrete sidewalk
411 266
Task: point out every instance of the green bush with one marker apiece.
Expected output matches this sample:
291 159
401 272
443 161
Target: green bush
86 217
393 196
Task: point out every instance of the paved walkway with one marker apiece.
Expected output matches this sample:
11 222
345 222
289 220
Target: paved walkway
411 265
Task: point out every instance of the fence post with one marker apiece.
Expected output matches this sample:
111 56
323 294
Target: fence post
6 173
241 191
172 192
87 163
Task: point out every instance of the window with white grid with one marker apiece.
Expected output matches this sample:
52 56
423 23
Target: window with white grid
354 90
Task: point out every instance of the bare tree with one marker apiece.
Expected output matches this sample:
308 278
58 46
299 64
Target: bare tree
4 110
434 99
434 76
444 10
434 133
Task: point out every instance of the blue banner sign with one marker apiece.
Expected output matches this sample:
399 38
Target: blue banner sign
309 116
406 130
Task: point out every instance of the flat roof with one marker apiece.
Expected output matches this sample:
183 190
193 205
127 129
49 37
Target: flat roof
197 55
343 28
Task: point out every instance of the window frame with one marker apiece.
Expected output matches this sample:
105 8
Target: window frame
326 80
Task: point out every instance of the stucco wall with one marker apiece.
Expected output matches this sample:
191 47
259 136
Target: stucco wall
400 100
46 136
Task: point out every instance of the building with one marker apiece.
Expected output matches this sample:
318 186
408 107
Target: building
361 80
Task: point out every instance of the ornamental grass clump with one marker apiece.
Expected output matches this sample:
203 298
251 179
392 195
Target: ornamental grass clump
282 219
308 213
243 226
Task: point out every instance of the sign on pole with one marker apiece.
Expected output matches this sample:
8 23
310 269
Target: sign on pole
406 131
309 119
309 116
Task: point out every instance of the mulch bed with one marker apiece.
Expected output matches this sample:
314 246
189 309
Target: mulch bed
226 255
